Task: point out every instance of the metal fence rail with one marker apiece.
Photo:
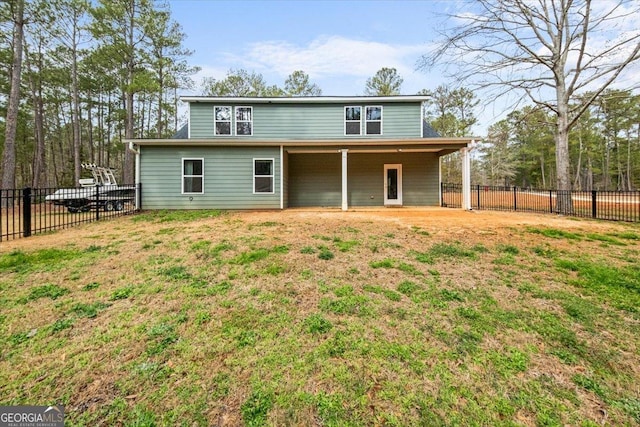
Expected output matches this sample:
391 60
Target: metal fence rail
25 212
606 205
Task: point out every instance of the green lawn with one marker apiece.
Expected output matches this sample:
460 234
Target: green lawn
210 318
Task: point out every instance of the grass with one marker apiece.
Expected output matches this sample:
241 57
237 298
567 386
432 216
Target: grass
322 321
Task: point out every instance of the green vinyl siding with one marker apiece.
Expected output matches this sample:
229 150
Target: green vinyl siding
420 180
228 178
309 121
316 179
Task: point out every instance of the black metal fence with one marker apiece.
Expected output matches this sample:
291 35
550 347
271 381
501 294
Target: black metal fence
607 205
28 211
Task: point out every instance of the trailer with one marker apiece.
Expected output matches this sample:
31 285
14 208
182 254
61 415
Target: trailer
99 192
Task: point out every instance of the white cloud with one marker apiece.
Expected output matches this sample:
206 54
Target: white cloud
329 56
339 65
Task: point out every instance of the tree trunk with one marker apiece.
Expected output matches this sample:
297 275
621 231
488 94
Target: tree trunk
577 183
38 176
128 166
564 204
75 110
9 153
91 142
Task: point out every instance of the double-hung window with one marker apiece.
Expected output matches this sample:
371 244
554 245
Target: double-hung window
263 176
244 121
225 126
222 120
192 176
373 120
352 120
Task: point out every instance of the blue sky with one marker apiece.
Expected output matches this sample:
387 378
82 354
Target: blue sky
341 44
338 43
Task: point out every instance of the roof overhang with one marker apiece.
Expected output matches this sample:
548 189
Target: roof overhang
441 146
306 99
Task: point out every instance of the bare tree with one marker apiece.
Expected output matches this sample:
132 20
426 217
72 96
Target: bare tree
550 50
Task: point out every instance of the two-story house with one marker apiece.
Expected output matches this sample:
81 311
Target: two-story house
278 153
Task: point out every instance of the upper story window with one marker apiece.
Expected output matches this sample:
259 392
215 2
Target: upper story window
222 120
223 123
192 176
352 120
244 121
373 120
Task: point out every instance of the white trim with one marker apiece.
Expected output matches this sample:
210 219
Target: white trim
273 175
191 176
344 118
345 201
466 179
373 121
398 200
276 142
223 121
440 180
365 150
307 99
235 119
281 177
189 121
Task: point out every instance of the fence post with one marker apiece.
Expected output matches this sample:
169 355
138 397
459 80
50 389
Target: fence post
478 192
139 196
515 199
26 212
550 201
441 194
594 204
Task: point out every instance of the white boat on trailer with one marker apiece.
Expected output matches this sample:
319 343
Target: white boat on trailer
101 191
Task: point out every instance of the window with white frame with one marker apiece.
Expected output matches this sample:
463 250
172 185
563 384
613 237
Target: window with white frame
244 121
263 176
373 120
192 176
222 120
352 120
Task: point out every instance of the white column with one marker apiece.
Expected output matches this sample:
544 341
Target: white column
137 173
281 177
345 205
466 178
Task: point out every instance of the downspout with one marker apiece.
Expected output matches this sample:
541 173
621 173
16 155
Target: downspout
136 151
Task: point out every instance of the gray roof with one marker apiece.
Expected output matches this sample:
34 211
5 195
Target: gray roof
182 133
428 131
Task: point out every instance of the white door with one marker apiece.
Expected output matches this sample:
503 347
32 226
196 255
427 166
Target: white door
393 185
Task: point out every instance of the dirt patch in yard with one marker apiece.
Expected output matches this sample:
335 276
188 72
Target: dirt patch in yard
440 222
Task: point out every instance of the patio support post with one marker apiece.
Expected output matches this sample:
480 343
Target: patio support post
466 178
136 151
345 205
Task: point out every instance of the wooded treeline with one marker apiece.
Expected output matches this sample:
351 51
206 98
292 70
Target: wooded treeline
604 147
92 73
